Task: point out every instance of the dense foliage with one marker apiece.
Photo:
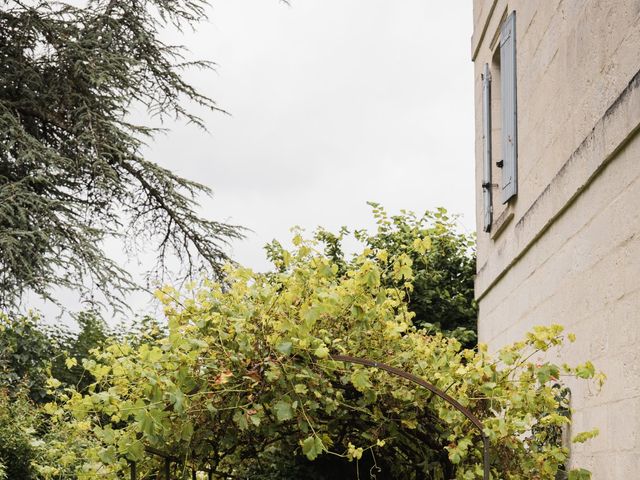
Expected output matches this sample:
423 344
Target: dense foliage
71 169
31 354
243 384
32 351
441 294
19 420
26 350
34 356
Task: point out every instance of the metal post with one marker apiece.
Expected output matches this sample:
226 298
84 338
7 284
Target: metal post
134 473
485 456
167 469
193 474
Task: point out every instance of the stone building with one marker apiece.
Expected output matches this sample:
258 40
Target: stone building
557 95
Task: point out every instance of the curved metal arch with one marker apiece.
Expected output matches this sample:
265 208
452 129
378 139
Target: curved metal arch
394 371
432 388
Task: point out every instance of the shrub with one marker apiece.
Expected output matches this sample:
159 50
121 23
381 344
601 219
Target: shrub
443 261
18 422
243 384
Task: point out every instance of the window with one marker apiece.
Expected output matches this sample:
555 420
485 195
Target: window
499 122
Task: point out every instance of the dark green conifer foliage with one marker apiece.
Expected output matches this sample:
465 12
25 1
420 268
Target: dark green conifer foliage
71 169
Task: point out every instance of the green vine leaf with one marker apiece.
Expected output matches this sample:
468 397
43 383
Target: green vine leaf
312 447
284 410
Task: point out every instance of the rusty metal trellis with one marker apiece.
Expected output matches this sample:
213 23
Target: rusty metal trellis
382 366
435 390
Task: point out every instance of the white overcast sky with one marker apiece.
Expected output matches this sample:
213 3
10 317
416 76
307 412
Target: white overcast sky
333 103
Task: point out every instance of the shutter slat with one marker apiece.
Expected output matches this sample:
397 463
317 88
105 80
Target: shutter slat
509 108
487 200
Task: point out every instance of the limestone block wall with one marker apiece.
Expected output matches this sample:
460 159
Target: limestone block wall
584 273
571 252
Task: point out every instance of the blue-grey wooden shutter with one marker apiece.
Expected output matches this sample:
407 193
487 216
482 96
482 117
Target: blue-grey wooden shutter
487 200
509 108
